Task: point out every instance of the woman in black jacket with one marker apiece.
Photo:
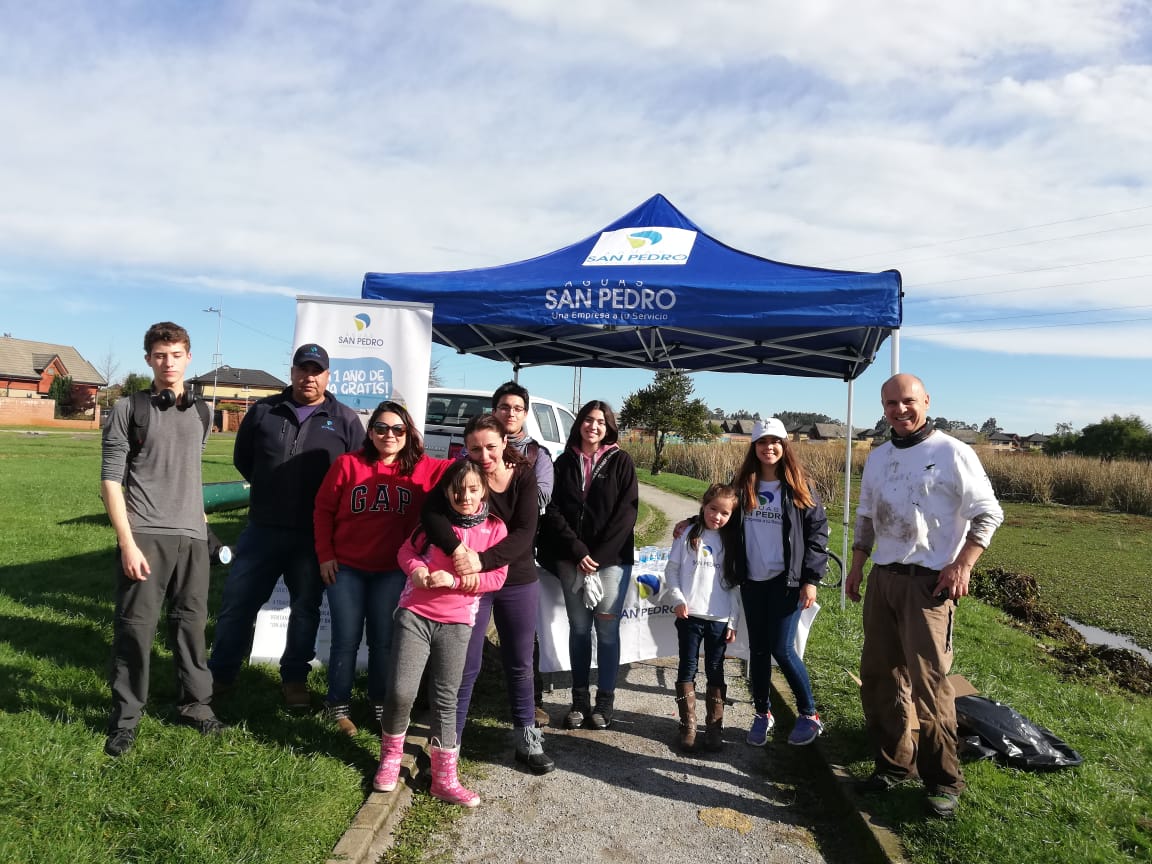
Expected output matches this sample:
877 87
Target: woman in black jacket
587 541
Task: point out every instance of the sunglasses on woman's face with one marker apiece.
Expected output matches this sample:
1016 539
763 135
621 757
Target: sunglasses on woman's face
398 431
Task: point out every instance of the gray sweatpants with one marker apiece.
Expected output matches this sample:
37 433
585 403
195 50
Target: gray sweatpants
416 643
179 575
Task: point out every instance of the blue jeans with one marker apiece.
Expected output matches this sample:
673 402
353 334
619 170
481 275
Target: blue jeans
606 619
355 598
690 632
771 612
263 554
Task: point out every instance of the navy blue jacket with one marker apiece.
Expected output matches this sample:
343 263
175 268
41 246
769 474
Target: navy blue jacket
285 461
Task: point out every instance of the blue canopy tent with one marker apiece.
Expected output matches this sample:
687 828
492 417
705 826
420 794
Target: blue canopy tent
653 291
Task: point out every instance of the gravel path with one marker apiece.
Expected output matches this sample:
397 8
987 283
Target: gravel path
627 795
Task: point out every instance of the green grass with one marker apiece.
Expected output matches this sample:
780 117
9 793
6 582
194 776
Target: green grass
1092 565
650 524
687 486
276 788
281 788
1095 813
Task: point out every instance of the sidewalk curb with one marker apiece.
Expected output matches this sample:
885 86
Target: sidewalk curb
371 830
884 847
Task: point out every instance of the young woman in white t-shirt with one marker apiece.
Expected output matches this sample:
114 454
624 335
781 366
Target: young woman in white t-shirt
780 555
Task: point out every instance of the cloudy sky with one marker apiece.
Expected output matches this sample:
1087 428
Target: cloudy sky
162 158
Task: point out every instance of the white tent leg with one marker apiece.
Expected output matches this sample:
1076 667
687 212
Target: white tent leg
847 506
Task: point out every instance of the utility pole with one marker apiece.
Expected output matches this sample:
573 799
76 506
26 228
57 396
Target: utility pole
216 357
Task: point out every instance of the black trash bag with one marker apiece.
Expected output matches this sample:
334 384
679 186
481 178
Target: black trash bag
1010 737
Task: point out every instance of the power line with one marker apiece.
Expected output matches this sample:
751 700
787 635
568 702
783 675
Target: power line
1037 269
995 233
1028 243
1038 315
1043 326
912 300
247 326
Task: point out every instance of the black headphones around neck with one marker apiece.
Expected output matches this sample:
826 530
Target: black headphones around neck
166 398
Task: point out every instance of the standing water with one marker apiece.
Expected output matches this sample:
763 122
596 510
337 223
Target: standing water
1096 636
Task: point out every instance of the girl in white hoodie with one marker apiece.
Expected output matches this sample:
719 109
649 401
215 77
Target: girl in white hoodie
707 612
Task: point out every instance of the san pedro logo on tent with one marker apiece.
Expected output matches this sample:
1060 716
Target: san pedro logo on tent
631 247
644 238
363 322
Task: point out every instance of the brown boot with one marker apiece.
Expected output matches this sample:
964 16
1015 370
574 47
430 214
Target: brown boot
686 702
714 718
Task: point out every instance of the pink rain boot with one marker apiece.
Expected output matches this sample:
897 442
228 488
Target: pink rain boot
391 752
445 784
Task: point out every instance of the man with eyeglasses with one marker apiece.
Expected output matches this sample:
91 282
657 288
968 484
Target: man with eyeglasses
284 447
510 404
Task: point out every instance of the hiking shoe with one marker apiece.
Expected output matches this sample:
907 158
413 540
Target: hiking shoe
877 783
807 729
762 724
296 696
120 742
211 726
530 750
581 708
542 718
942 804
340 715
602 714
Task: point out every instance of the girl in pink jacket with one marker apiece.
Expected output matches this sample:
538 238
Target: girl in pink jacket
432 627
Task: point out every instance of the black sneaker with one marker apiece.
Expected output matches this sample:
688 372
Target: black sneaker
877 783
211 726
941 804
602 714
120 742
574 719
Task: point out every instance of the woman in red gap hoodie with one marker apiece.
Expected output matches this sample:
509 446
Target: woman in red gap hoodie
367 506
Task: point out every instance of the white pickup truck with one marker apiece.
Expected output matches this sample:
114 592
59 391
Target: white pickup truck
449 410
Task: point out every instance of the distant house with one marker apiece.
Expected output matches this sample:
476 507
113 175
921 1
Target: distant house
968 436
1004 441
738 426
27 370
1035 441
826 432
235 389
1016 443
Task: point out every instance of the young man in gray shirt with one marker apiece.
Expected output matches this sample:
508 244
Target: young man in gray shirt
151 485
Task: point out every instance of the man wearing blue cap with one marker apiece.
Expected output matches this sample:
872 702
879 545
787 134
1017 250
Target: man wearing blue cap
284 447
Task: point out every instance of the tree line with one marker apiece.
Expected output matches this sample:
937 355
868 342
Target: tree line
1113 437
667 407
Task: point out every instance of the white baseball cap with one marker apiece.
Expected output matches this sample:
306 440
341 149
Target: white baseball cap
772 427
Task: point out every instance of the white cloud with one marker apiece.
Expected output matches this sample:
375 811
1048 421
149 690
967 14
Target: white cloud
1131 340
261 146
874 40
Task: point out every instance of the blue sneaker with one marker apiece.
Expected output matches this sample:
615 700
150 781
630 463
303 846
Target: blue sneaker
762 724
807 729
